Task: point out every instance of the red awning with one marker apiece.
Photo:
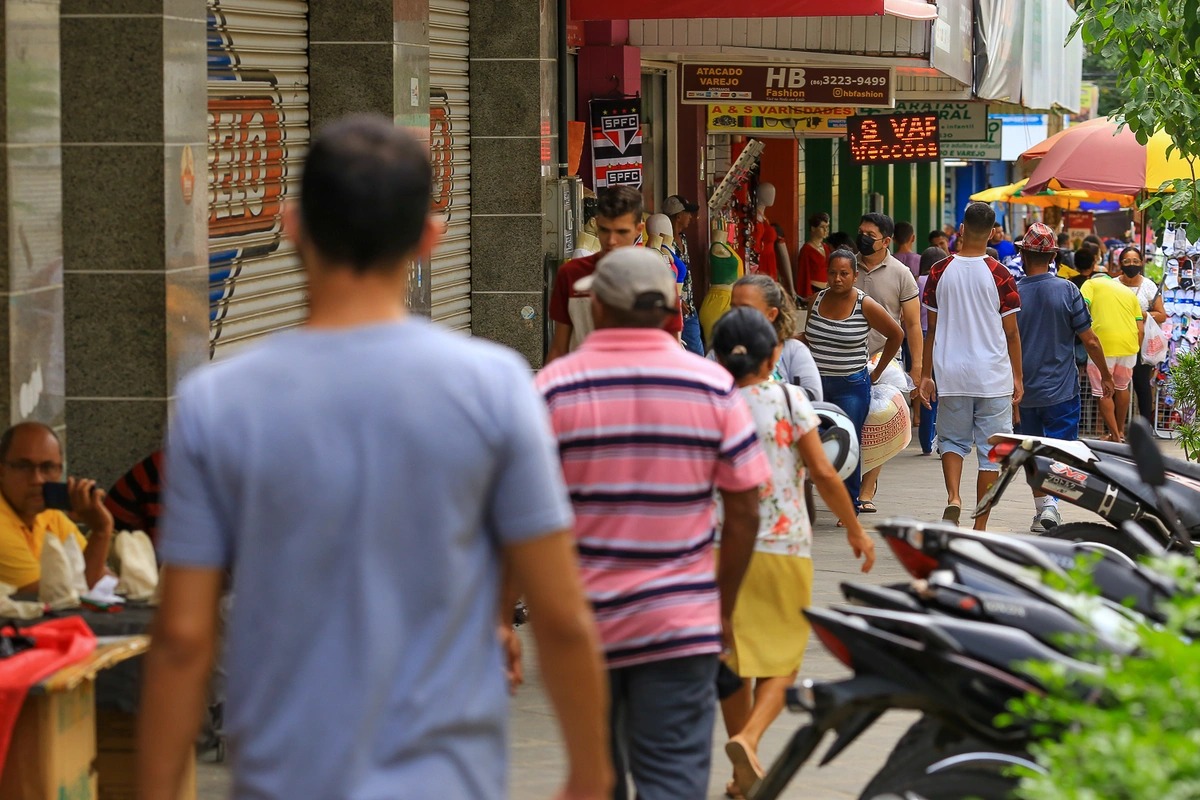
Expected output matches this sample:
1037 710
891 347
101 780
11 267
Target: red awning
706 9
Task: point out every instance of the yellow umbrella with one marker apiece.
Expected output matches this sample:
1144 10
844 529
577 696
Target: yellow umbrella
1053 196
998 194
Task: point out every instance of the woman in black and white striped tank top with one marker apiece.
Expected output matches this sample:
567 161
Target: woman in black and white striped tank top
838 323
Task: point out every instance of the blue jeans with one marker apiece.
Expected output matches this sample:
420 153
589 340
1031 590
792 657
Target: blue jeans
1059 421
662 718
927 428
852 394
691 335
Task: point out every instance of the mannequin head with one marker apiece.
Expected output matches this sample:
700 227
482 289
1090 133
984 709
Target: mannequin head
659 225
765 197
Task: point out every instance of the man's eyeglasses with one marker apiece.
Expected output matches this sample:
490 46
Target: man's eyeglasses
50 469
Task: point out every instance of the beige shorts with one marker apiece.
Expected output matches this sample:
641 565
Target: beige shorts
1121 369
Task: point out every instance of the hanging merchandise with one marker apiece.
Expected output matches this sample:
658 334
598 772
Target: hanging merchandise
1181 330
737 175
617 142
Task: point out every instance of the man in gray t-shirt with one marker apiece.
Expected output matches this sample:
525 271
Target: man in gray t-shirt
363 479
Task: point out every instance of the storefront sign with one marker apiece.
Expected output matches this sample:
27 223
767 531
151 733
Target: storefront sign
1078 224
786 84
617 143
959 122
760 120
991 150
896 139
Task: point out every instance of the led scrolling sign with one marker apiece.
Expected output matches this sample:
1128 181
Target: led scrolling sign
894 139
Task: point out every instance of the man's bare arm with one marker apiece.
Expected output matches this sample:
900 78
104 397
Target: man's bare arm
1013 336
738 534
910 320
561 344
546 572
175 684
1095 351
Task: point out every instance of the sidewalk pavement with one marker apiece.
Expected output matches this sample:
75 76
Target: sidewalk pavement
910 486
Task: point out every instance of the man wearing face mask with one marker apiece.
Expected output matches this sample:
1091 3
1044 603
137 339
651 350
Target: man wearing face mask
887 281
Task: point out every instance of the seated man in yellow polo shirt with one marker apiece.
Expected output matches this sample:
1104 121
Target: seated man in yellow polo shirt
31 456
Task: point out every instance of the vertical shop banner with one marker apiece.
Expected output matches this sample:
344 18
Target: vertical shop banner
1078 224
617 142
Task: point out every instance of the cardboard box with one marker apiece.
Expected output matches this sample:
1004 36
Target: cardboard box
53 747
63 749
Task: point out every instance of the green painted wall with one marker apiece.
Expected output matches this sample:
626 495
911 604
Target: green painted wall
904 190
852 189
818 180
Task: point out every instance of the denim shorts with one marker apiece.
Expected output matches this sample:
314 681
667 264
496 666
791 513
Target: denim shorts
963 420
1057 421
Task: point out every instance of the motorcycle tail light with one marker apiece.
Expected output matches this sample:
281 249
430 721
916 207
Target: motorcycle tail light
1002 450
833 644
917 563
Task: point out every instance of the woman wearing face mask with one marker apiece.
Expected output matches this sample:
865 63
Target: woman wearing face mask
839 320
1150 299
769 628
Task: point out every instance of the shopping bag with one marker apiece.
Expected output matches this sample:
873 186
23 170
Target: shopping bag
1154 342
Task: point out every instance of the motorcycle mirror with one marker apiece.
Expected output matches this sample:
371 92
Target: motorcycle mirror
1146 455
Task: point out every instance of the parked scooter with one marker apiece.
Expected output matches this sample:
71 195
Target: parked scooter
955 644
1103 477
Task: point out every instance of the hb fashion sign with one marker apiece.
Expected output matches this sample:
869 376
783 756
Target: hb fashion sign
617 142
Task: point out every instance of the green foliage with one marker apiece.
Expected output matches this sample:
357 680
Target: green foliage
1132 732
1153 47
1185 388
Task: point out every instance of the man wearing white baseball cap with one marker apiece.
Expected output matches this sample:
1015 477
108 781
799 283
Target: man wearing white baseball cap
646 431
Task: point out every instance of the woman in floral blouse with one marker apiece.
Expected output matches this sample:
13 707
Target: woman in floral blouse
769 631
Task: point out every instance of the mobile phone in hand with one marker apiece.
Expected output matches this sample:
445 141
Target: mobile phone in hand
56 496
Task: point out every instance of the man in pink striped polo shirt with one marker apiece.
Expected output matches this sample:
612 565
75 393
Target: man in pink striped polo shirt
646 431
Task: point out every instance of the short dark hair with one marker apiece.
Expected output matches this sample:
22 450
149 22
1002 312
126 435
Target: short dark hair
979 219
881 221
6 438
1085 258
1092 238
938 234
904 232
1064 239
815 220
843 253
931 256
840 240
366 192
636 318
617 201
993 253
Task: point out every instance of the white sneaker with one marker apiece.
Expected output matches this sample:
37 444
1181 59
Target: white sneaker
1049 519
1037 526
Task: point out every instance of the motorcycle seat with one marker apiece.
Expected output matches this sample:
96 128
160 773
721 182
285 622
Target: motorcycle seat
1176 465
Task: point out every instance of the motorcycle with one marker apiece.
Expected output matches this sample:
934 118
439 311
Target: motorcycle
1103 477
955 644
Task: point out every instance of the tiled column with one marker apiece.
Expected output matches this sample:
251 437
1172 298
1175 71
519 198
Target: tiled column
135 235
31 292
513 91
373 56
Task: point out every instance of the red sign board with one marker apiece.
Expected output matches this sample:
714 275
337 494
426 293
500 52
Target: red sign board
788 84
894 139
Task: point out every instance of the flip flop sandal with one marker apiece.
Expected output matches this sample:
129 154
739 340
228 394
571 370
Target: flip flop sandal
745 771
867 507
952 514
733 792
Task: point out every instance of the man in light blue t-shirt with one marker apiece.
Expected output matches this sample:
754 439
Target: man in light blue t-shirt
363 479
1053 314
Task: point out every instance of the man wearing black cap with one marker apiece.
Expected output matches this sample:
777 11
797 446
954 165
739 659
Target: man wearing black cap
681 212
646 433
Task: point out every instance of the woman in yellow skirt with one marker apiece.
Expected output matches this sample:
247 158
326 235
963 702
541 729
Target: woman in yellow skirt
769 630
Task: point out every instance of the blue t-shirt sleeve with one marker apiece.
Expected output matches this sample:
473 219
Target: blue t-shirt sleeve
193 533
680 269
529 498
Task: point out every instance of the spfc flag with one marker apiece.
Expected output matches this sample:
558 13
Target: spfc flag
617 143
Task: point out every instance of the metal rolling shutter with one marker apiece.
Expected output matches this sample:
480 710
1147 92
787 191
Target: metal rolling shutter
257 138
450 136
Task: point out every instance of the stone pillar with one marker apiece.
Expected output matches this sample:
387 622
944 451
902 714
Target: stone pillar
373 56
513 93
135 233
31 291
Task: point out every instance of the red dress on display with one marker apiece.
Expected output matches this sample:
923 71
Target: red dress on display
764 246
811 266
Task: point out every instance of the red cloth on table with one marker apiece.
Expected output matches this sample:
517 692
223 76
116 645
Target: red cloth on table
58 643
764 246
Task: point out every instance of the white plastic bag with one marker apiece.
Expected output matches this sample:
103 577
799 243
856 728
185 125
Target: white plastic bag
1154 342
893 375
137 565
888 429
